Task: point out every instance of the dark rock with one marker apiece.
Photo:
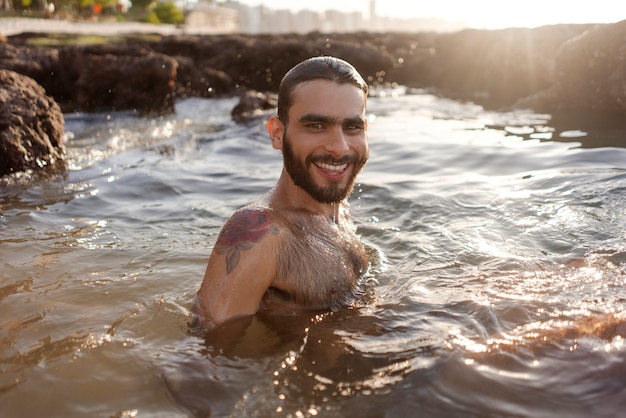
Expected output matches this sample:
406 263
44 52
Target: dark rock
493 68
259 62
589 74
114 77
31 125
252 104
40 64
201 81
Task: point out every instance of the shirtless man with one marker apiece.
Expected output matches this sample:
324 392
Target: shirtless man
295 247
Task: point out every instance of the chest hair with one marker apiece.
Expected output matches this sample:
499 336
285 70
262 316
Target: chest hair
320 263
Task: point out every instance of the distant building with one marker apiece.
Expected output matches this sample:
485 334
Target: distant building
232 16
252 19
306 21
206 17
336 21
282 21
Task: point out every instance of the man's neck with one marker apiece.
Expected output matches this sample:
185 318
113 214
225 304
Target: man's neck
288 196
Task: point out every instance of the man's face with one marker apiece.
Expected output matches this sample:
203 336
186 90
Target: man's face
325 141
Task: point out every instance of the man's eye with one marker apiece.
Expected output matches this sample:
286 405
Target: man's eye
315 126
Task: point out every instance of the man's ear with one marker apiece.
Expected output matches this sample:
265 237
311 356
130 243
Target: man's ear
276 131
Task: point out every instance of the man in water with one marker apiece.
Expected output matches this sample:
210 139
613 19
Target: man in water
296 248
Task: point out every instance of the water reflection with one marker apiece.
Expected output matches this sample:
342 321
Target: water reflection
299 364
581 130
499 274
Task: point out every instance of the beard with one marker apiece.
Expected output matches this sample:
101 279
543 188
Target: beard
334 191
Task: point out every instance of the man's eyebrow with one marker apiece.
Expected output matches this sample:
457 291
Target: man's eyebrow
314 117
354 121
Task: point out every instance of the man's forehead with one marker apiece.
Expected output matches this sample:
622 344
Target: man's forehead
324 83
321 96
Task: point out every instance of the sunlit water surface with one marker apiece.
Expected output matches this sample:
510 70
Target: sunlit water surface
498 282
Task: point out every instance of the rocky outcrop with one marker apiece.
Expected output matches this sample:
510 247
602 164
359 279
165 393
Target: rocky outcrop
31 125
251 104
40 64
98 78
494 68
259 62
117 77
200 81
551 68
589 75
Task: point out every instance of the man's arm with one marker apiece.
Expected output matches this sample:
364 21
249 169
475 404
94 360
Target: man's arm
241 267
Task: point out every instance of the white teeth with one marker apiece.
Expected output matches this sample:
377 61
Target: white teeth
332 167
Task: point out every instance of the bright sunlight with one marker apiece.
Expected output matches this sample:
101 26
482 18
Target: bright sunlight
481 14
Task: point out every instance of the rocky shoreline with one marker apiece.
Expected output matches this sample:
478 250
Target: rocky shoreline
574 69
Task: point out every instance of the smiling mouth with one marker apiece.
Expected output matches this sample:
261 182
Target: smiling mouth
337 168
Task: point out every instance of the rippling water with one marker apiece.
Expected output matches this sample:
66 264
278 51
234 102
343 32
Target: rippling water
498 289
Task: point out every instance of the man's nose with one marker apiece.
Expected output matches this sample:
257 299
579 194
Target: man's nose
337 142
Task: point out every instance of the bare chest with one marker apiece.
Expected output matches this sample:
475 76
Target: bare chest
320 264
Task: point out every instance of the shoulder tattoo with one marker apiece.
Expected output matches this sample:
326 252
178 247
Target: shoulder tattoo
244 229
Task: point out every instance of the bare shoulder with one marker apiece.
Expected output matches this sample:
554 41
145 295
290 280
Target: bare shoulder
241 266
246 228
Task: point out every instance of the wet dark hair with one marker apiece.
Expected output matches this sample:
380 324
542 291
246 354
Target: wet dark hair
325 68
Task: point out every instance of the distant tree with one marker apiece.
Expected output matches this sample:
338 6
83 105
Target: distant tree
106 4
166 12
30 4
65 4
142 5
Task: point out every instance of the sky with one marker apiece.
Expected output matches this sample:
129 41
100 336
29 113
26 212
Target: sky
481 14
